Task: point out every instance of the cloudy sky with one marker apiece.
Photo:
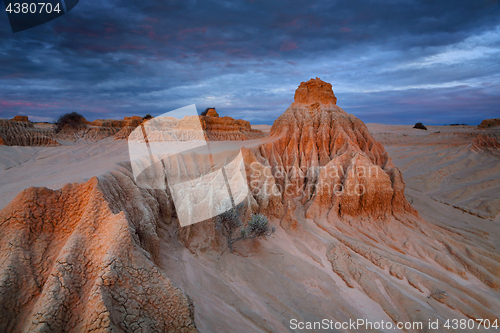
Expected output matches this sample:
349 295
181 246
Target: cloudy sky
395 62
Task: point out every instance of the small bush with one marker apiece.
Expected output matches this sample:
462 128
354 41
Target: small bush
72 120
420 126
258 226
229 222
147 117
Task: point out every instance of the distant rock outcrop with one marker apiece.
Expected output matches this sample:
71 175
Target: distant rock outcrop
210 112
213 128
103 128
133 121
488 123
226 128
22 133
127 126
21 118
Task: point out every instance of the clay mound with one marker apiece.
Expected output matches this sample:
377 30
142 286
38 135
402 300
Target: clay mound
73 261
487 123
21 133
123 133
328 160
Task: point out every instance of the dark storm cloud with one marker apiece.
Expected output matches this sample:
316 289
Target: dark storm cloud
394 62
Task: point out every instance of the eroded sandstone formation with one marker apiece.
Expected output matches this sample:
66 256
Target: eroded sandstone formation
204 127
21 118
83 259
328 160
226 128
103 128
210 112
22 133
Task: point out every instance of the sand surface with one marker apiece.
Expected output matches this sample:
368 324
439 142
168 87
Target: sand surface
52 167
443 163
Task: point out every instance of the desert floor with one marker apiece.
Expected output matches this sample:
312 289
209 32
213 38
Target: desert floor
448 181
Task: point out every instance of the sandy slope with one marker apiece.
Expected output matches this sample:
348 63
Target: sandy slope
287 276
53 167
444 163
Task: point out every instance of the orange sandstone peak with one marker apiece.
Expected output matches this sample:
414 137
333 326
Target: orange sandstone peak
315 91
329 161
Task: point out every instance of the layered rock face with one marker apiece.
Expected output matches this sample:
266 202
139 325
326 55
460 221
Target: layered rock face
133 121
24 133
328 159
128 125
226 128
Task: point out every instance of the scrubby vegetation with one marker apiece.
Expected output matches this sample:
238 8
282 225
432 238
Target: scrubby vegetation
147 117
72 120
230 221
420 126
